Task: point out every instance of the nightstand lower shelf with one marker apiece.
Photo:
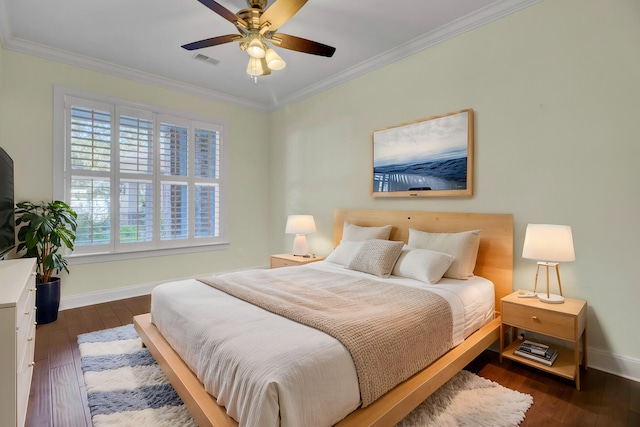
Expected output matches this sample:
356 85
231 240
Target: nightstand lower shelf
564 365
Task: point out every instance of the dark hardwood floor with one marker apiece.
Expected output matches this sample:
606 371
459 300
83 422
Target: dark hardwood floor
58 396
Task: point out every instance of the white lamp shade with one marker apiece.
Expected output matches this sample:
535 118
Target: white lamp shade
547 242
274 61
256 48
300 224
254 68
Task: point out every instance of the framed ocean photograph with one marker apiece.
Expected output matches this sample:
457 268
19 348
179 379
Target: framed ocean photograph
427 158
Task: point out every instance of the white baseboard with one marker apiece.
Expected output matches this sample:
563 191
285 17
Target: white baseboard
622 366
83 300
75 301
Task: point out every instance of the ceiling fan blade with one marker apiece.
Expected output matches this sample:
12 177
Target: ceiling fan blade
280 12
213 41
303 45
224 12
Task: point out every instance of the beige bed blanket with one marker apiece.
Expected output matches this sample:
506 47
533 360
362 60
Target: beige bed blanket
392 331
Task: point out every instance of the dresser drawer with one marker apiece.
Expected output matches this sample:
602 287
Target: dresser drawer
279 262
26 303
25 318
17 335
25 349
22 393
26 352
538 320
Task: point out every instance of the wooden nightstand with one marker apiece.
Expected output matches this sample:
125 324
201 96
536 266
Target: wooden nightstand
289 260
567 321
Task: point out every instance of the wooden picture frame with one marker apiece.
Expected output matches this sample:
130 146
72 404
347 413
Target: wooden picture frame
432 157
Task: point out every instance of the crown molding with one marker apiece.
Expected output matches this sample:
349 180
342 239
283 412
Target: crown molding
47 52
466 23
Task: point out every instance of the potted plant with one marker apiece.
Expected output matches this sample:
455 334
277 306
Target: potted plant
46 228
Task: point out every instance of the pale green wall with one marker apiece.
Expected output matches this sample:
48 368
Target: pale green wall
26 132
556 94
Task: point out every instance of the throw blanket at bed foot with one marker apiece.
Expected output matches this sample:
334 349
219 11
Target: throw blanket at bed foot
392 331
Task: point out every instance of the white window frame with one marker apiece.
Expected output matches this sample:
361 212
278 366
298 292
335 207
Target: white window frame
115 249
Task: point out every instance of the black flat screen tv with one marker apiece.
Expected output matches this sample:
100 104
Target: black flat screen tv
7 203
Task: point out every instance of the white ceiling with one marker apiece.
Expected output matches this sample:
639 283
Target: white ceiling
141 40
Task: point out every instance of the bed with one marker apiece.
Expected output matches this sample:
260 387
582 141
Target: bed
494 262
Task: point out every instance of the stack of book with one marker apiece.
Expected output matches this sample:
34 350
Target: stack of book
535 351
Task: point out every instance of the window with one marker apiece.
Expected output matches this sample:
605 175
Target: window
140 178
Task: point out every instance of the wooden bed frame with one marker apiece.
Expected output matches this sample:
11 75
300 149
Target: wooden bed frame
495 262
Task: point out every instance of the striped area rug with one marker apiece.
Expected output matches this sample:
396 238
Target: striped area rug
125 385
126 388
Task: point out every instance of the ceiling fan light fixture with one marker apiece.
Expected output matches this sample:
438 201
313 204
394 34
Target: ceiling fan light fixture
256 49
273 60
255 68
258 25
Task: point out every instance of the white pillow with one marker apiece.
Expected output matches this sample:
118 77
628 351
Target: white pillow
357 233
462 246
377 257
422 264
344 252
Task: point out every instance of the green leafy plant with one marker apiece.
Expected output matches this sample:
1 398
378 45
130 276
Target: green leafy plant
46 228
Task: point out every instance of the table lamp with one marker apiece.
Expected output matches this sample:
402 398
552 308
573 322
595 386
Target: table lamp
300 225
549 244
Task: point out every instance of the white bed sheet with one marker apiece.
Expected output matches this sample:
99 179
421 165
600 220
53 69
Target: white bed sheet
260 366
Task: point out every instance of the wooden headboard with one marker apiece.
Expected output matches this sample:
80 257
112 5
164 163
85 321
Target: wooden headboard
495 255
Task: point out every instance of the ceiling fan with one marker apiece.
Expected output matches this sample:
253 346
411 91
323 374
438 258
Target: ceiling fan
258 26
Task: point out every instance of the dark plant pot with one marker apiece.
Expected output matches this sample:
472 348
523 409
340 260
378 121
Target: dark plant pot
47 301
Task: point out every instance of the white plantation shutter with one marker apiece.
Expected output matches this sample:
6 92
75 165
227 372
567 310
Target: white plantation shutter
174 211
174 153
135 177
207 178
141 180
136 144
207 205
174 171
136 211
90 139
206 153
90 160
90 198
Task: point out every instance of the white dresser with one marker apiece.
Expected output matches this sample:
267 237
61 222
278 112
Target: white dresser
17 337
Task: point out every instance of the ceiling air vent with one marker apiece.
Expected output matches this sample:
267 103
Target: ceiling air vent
205 58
